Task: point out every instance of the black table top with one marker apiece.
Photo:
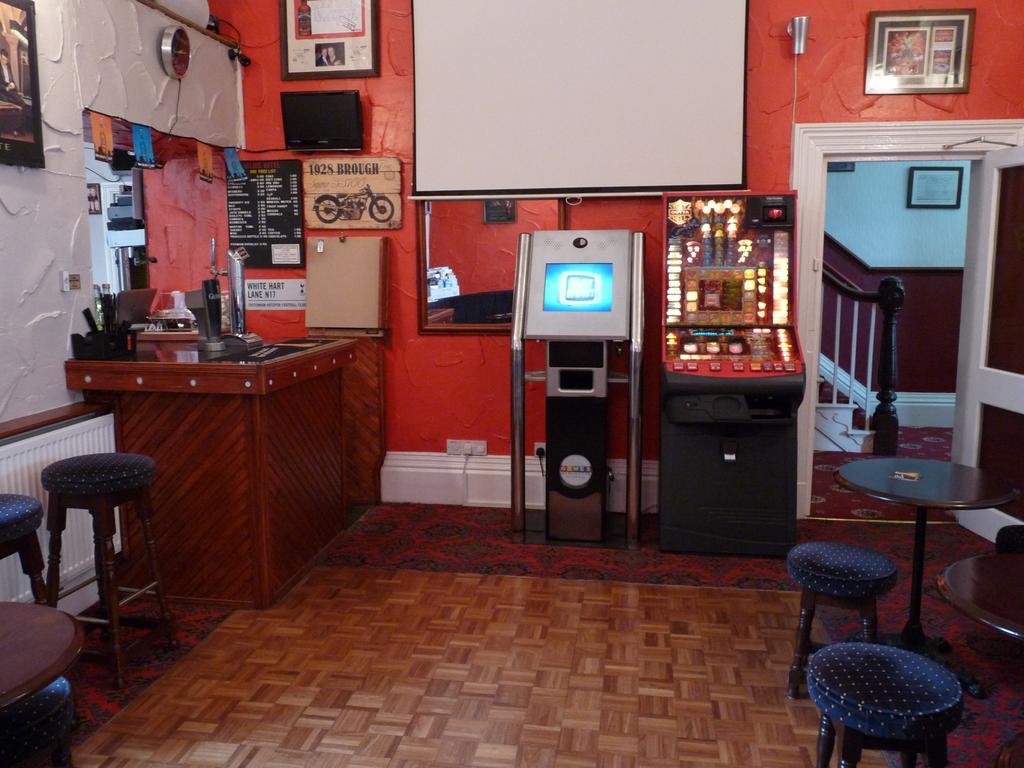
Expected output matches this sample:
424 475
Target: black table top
926 483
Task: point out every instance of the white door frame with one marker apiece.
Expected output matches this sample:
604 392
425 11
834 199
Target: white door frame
813 146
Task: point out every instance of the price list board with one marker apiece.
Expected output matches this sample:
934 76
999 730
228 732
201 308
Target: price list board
265 213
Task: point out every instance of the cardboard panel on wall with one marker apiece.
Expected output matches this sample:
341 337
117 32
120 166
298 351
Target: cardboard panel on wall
352 193
346 279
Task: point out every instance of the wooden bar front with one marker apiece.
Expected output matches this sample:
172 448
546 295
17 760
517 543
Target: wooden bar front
250 463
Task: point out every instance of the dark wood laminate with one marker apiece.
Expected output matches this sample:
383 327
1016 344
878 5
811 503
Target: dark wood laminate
249 484
978 586
1012 755
49 418
179 368
940 485
364 423
38 644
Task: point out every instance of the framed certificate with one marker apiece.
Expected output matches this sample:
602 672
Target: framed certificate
938 187
329 38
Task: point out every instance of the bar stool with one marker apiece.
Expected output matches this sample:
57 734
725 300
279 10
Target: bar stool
36 730
99 482
832 573
20 516
880 697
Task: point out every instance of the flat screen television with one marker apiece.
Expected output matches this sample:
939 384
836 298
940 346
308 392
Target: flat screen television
322 120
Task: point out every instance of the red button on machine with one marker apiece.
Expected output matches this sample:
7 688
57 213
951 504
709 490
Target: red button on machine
715 366
691 366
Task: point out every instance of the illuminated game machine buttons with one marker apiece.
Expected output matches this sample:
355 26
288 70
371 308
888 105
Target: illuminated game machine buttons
790 367
715 366
692 365
738 367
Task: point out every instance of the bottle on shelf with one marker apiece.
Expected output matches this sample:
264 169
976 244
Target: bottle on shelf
304 20
97 306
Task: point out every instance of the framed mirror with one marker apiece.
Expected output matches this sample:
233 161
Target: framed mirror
467 254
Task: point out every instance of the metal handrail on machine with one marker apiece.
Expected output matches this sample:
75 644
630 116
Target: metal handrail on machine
634 381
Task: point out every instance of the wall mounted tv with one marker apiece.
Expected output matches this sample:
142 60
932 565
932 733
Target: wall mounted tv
322 120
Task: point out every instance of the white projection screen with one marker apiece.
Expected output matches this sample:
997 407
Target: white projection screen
536 97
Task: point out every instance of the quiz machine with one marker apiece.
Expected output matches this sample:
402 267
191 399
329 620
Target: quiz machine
578 292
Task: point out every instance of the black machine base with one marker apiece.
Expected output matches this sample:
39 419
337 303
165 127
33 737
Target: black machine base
728 466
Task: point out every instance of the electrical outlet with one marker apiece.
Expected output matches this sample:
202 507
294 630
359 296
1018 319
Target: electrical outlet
539 447
455 447
70 281
476 447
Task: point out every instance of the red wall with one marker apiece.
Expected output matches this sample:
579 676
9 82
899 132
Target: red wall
450 386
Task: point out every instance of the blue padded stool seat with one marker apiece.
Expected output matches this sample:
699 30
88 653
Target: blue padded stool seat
840 570
19 516
884 698
36 723
98 473
842 575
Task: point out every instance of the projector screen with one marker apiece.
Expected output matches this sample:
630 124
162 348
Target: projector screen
541 97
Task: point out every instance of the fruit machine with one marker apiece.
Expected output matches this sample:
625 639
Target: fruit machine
732 376
578 292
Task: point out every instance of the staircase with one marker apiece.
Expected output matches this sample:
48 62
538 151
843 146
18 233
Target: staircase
846 395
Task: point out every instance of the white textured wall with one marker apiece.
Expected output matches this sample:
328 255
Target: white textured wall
100 54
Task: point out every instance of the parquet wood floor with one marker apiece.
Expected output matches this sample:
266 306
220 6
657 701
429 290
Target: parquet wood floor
401 669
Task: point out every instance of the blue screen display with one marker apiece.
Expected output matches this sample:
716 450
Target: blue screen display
578 288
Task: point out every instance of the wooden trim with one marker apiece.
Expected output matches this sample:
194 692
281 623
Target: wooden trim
191 24
833 243
50 418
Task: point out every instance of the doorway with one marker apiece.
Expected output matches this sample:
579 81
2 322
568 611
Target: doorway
814 145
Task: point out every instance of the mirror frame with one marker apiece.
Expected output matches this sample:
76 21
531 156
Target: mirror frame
478 329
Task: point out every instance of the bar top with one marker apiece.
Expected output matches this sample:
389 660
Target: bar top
171 367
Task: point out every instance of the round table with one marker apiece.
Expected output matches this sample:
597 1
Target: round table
978 587
925 484
38 644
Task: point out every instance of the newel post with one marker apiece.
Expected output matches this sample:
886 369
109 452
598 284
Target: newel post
886 421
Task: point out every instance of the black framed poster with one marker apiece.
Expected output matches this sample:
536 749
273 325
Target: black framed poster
265 213
21 129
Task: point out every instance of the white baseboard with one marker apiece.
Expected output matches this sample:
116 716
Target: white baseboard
985 522
926 409
485 481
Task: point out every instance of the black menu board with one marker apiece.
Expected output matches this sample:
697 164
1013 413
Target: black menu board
265 213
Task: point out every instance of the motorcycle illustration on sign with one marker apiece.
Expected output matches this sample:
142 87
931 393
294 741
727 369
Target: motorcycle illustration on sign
351 207
359 192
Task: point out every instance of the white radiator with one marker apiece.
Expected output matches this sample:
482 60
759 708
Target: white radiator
21 463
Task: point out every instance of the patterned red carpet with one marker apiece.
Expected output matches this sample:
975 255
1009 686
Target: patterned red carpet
829 500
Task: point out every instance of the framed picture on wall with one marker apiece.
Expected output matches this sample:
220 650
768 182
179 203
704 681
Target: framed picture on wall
938 187
499 211
21 130
919 51
328 38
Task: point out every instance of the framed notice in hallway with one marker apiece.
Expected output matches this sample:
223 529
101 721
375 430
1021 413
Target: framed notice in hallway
328 38
21 134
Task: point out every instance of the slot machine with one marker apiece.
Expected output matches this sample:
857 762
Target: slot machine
578 292
732 376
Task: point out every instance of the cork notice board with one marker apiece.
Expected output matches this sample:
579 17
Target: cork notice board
346 284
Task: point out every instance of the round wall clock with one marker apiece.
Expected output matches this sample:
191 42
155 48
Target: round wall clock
175 51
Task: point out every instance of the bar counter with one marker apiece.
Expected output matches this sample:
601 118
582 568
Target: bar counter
249 449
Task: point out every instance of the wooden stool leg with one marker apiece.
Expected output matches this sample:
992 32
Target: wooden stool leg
802 642
935 751
143 510
56 520
826 741
851 745
104 527
31 557
869 619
